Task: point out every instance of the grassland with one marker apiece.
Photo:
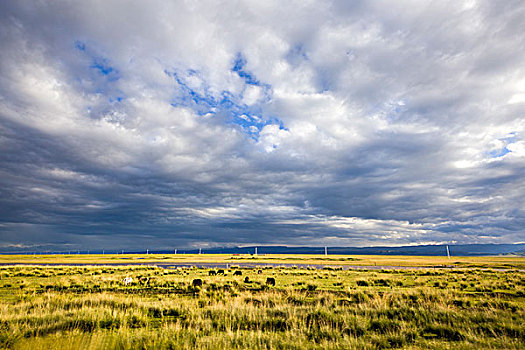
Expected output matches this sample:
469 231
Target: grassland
71 307
337 260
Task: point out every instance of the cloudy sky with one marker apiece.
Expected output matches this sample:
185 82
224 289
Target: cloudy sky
163 124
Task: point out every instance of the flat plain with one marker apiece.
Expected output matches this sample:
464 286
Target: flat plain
431 303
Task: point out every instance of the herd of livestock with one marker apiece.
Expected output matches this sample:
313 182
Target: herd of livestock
270 281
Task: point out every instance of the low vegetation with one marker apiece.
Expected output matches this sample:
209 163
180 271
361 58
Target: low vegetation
293 308
500 262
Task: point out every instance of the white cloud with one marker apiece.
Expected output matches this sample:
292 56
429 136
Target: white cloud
271 137
252 94
517 98
385 114
517 149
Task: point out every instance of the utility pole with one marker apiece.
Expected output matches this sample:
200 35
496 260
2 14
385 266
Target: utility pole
255 250
448 252
325 251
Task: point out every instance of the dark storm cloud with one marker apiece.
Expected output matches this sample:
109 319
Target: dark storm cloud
170 125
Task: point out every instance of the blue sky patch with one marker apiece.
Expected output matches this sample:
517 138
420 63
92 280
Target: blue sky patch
249 118
99 64
497 153
79 45
239 67
99 76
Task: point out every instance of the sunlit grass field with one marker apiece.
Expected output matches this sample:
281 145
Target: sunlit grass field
72 307
340 260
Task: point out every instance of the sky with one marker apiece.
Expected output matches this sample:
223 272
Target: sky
165 124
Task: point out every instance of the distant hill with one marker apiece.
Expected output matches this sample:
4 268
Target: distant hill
518 253
429 250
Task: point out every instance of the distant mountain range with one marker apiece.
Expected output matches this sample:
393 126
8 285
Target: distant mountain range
429 250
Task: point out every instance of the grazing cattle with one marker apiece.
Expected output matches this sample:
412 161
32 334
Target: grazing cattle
247 280
237 273
146 280
270 281
127 280
259 272
212 273
197 282
220 272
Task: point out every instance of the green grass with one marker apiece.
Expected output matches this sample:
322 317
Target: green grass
90 307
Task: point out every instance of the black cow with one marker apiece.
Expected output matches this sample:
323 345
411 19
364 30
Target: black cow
220 272
237 273
146 280
212 273
270 281
259 272
247 280
197 282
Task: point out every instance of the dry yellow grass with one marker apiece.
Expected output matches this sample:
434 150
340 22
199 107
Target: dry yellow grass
89 307
339 260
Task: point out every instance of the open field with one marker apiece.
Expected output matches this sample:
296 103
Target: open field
336 260
44 307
